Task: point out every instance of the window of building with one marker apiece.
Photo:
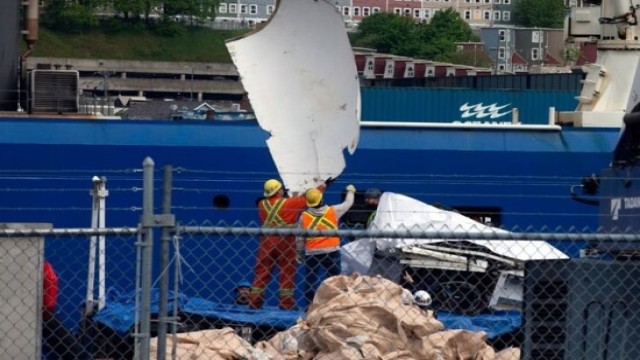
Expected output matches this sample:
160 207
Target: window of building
501 67
366 11
407 12
535 37
243 8
397 11
233 8
467 14
497 1
427 13
222 9
506 15
487 15
389 70
535 54
416 13
270 9
496 15
502 35
459 48
253 9
356 11
375 10
501 52
346 11
430 73
487 1
339 9
410 71
370 65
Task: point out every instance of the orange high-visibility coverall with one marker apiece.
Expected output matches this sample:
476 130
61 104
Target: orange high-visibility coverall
277 211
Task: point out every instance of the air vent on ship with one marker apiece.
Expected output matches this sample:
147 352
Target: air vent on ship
53 91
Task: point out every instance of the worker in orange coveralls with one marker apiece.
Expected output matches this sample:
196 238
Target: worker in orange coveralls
277 211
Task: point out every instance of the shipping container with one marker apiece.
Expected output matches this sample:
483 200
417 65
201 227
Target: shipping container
402 104
544 82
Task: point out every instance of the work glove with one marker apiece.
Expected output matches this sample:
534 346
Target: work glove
329 181
300 258
351 188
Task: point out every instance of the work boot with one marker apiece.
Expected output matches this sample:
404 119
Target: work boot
288 302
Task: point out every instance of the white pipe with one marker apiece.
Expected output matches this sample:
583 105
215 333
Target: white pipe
92 248
102 194
97 244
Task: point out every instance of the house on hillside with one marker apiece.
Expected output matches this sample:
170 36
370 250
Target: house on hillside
534 46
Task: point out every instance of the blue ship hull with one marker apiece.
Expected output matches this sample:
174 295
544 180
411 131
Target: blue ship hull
47 166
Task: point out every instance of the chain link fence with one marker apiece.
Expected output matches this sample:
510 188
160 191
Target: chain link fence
404 293
447 288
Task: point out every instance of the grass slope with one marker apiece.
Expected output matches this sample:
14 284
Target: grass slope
137 42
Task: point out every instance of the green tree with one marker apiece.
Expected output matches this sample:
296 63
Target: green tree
388 33
129 8
540 13
194 9
69 16
569 54
438 38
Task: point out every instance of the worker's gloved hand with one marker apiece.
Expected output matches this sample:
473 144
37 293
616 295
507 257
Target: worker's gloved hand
329 181
300 258
351 188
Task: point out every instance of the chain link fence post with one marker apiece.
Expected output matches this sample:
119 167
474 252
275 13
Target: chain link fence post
143 334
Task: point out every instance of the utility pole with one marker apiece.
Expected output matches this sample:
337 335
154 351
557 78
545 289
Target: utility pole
105 87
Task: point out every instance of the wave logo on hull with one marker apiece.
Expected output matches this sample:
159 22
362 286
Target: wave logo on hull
481 111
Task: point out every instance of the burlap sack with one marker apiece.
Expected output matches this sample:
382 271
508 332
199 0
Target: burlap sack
218 344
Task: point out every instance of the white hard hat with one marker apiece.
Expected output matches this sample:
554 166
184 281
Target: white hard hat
422 298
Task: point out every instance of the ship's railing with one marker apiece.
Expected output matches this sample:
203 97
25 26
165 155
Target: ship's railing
167 288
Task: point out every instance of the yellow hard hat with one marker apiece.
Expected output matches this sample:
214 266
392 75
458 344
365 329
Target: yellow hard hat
271 187
313 197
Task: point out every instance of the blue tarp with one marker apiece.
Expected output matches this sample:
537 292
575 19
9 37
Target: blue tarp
119 315
494 324
241 314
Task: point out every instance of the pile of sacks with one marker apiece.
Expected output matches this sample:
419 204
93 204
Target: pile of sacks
351 317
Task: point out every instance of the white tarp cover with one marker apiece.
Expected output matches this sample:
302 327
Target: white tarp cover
397 211
301 78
